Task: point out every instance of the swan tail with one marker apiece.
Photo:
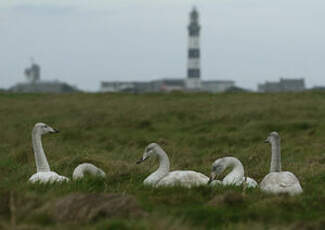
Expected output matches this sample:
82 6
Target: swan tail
80 171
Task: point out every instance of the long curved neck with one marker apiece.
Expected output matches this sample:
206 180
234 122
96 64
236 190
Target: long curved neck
163 169
40 158
276 157
237 172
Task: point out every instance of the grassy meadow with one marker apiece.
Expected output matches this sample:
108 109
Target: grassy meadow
112 130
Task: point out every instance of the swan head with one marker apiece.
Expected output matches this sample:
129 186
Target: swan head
217 168
148 152
43 128
274 137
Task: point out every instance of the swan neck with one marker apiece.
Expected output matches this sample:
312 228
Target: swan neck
276 157
237 168
164 163
40 157
163 169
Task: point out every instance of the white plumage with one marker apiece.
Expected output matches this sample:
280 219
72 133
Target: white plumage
47 177
278 181
44 173
281 182
235 177
80 171
162 176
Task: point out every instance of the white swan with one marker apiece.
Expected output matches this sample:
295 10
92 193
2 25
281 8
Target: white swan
235 177
162 176
44 173
278 181
84 168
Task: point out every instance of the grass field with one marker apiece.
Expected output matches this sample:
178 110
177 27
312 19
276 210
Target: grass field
112 130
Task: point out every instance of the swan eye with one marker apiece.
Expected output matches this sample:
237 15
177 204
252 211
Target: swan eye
149 149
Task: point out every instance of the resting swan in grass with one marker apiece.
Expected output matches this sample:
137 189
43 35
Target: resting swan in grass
278 181
44 173
84 168
235 177
162 176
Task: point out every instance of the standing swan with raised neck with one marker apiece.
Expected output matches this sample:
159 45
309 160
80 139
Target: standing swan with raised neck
278 181
162 176
235 177
44 173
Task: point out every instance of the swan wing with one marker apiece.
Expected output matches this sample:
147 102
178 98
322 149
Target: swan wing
250 182
281 182
215 183
186 178
238 181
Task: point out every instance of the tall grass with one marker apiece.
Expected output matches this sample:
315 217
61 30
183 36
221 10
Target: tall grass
111 131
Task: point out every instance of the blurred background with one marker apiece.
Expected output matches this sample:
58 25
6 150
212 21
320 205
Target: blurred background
161 45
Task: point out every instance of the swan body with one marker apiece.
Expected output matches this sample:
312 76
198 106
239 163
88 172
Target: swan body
162 176
235 177
47 177
185 178
278 181
281 182
80 170
44 173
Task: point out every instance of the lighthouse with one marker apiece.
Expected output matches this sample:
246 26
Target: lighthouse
193 81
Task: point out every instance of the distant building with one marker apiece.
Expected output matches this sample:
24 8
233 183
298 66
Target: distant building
162 85
131 87
284 85
35 85
43 87
168 85
217 86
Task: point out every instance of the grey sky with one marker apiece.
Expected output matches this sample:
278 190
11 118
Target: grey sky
85 42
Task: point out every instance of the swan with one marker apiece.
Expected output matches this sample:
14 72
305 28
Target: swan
278 181
44 173
235 177
83 168
162 176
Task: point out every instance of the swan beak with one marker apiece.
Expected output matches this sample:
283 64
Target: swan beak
55 131
212 177
139 161
266 141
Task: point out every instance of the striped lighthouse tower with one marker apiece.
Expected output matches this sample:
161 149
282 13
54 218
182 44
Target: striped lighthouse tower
193 81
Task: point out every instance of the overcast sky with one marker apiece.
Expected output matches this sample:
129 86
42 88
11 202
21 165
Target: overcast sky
86 42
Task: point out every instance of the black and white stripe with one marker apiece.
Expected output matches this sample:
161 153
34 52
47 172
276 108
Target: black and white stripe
193 81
